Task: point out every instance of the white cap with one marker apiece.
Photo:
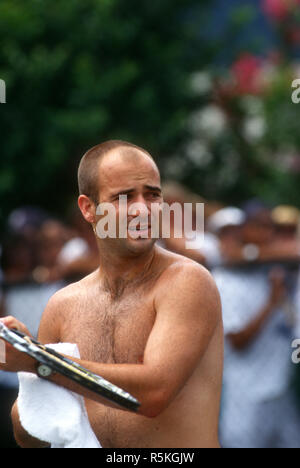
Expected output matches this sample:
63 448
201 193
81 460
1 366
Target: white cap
230 216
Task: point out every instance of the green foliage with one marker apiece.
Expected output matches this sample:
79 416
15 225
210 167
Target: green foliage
254 150
78 73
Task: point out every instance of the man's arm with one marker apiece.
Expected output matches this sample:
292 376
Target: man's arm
278 293
188 310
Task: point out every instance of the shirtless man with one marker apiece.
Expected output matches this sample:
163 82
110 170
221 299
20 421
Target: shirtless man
147 320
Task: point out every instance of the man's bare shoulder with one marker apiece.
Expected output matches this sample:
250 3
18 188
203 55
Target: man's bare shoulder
185 279
70 293
60 304
179 266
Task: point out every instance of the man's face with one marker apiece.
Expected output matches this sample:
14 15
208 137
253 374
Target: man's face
136 177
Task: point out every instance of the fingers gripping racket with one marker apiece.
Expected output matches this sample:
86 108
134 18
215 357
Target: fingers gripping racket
68 368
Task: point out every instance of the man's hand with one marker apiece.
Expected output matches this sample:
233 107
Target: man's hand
278 294
16 361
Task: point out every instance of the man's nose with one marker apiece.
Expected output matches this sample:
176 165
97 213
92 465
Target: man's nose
139 207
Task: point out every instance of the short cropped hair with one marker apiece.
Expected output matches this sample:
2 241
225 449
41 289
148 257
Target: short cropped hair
88 175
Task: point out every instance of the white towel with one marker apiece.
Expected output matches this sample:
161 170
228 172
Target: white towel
53 414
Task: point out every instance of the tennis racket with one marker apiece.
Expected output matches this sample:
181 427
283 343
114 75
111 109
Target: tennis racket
68 368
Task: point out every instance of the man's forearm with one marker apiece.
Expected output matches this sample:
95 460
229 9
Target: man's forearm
137 379
245 337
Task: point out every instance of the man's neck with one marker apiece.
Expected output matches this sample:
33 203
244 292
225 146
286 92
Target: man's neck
118 272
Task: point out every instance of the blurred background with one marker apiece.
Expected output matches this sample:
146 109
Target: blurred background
206 88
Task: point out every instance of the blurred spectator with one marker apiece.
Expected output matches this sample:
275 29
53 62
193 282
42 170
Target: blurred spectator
81 228
21 296
79 256
240 243
28 278
263 231
51 239
259 408
174 192
20 243
224 225
17 259
206 247
26 221
287 223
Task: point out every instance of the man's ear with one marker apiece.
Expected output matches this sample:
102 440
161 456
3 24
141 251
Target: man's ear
87 208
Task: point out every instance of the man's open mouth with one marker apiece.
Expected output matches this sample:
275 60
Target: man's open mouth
139 228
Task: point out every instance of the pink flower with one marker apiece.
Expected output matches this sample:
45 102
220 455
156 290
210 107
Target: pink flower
279 9
247 74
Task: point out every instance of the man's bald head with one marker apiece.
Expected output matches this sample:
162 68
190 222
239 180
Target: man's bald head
88 172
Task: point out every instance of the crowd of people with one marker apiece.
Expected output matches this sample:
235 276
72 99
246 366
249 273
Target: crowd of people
253 252
40 254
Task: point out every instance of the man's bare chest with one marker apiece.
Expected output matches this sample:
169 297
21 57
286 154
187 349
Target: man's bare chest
110 332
